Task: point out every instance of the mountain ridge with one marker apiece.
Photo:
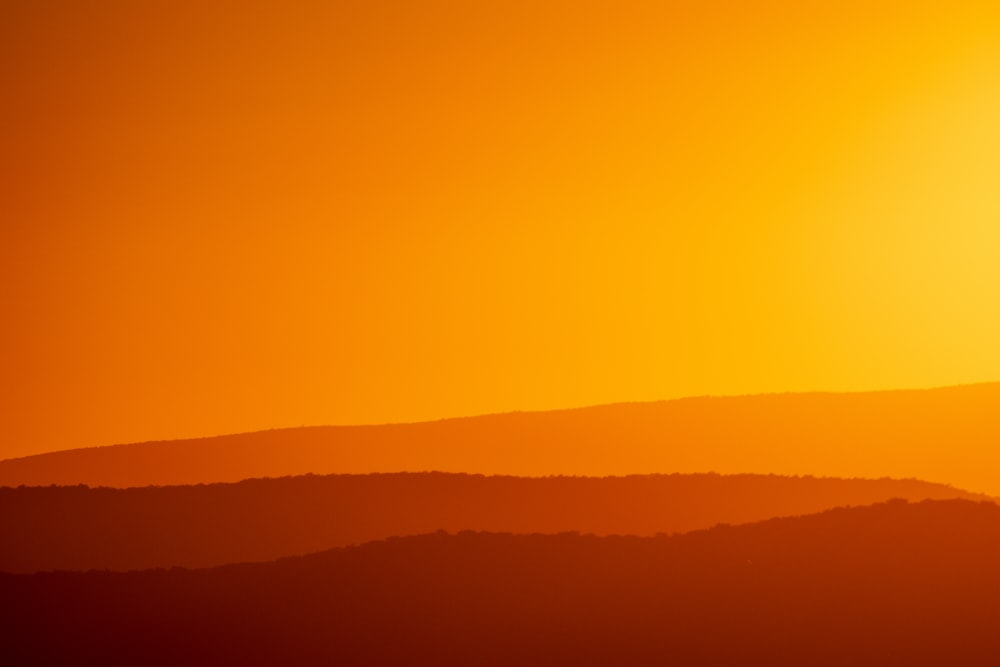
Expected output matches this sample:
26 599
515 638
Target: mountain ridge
893 583
79 528
896 434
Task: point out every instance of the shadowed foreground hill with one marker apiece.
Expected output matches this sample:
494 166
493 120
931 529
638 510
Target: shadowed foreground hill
78 528
888 584
946 435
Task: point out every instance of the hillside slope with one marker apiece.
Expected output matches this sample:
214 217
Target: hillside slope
79 528
889 584
944 435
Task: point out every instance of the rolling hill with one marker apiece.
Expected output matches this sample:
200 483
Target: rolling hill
945 435
79 528
887 584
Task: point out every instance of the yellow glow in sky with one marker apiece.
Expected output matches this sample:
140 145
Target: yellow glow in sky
222 217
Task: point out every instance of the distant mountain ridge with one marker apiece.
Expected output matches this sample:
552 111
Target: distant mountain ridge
947 435
887 584
78 528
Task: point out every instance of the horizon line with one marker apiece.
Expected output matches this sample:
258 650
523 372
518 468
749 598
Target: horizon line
485 415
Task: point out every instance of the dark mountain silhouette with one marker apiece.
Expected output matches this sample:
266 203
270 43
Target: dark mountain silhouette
77 528
880 434
887 584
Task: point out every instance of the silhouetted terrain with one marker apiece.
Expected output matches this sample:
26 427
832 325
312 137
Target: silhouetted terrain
888 584
78 528
880 434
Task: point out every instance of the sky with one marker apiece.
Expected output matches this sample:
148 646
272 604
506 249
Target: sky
227 216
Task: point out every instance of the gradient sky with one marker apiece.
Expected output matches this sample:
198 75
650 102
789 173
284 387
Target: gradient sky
227 216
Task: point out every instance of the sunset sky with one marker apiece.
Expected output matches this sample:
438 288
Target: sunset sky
228 216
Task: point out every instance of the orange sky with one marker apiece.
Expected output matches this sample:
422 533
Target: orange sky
222 217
